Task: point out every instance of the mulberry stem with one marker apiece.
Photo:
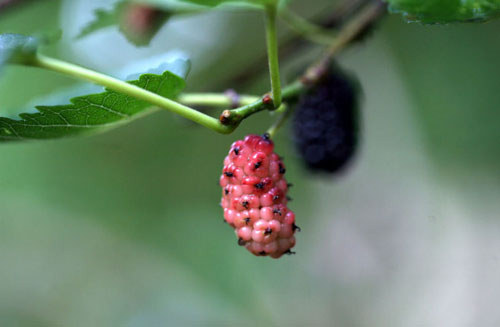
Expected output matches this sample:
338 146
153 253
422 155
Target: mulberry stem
287 110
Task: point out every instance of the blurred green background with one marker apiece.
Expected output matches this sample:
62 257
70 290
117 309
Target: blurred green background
124 228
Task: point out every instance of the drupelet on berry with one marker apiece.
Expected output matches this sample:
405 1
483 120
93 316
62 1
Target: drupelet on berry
254 197
325 130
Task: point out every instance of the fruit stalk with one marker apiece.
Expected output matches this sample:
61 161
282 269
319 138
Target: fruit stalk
287 111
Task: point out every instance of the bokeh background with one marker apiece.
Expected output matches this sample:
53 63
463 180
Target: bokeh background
124 228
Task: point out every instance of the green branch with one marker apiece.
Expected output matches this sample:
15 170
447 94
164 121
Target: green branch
272 54
235 116
131 90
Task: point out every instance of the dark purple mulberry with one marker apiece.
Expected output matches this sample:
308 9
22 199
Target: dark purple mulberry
325 126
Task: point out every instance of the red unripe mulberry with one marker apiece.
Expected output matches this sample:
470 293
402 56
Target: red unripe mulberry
254 197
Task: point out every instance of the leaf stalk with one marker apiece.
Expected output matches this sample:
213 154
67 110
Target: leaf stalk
117 85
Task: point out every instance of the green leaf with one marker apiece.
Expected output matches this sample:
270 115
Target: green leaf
174 6
94 112
214 3
138 22
446 11
17 49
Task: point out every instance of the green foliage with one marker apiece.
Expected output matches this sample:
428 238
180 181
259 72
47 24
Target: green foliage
140 20
103 18
213 3
172 6
17 49
137 22
94 112
208 4
446 11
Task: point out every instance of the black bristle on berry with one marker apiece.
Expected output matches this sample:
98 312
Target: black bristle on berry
282 169
325 126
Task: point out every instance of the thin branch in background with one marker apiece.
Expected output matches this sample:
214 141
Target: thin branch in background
310 31
343 11
229 99
295 43
352 31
